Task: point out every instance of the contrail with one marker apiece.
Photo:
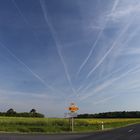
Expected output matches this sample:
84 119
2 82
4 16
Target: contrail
110 82
25 19
131 71
107 53
28 68
128 39
104 78
105 99
21 14
96 41
35 35
42 3
115 5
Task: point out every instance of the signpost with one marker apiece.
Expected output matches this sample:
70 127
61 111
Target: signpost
73 113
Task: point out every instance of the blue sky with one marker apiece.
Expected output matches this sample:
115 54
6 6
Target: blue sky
54 52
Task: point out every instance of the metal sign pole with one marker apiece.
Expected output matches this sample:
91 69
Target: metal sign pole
72 124
73 109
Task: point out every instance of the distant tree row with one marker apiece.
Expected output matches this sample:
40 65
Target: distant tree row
11 112
117 114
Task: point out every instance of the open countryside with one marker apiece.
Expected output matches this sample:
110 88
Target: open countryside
70 69
50 125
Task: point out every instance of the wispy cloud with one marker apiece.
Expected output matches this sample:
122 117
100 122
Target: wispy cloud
25 20
28 68
119 46
57 43
106 99
89 55
118 39
21 14
97 39
124 11
109 82
103 79
131 51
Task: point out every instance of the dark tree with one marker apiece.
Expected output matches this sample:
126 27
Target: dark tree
11 111
117 114
33 111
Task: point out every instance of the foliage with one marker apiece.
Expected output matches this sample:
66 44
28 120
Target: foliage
49 125
119 114
33 111
12 113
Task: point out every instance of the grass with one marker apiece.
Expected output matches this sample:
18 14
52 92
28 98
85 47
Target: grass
50 125
96 124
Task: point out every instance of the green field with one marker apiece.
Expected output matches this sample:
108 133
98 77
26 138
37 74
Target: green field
50 125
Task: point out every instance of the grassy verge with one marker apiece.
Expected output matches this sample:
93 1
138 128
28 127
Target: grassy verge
96 124
49 125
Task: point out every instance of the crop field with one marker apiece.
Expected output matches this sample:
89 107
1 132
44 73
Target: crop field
51 125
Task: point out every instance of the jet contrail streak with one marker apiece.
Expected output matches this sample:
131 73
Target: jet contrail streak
25 20
110 82
128 39
105 99
96 41
104 78
36 37
21 14
28 68
115 5
90 53
42 3
107 53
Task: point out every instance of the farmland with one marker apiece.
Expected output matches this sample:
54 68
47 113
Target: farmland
52 125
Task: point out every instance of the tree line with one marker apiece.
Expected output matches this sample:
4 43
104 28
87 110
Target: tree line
117 114
12 113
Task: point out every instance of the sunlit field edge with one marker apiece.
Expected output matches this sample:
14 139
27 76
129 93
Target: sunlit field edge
57 125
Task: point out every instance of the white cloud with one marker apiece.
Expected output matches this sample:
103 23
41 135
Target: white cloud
131 51
124 11
109 82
